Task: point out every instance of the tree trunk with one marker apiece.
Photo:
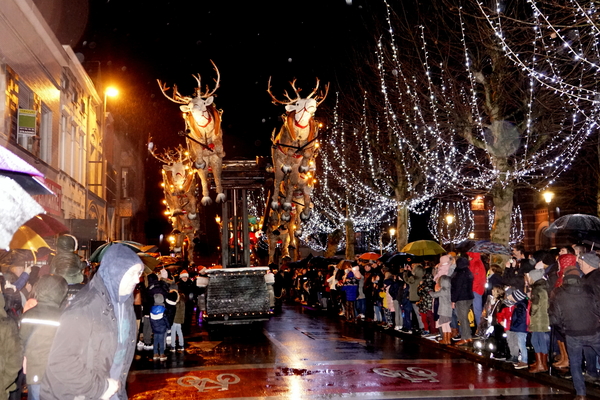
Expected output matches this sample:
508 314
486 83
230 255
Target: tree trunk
503 202
350 239
401 227
333 240
598 181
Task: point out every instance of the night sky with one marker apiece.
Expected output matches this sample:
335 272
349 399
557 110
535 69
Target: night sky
131 43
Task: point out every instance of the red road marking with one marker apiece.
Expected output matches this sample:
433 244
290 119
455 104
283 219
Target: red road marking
321 379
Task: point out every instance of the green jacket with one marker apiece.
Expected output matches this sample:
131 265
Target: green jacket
11 352
539 320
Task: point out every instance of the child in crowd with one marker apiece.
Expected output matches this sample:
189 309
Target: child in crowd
517 335
445 308
425 303
490 325
160 325
178 320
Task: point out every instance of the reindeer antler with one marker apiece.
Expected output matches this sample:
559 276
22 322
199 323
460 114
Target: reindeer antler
170 156
290 101
176 98
319 97
208 92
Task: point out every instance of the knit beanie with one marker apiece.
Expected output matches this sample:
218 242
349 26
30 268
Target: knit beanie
518 295
159 299
536 274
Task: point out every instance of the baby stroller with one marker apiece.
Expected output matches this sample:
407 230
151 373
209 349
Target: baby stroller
489 337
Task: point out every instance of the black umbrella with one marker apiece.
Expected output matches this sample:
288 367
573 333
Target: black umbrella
574 223
400 259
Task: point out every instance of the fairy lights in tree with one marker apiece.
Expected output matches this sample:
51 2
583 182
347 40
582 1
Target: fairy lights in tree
497 126
451 221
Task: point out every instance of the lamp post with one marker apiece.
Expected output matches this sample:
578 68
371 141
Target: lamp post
108 92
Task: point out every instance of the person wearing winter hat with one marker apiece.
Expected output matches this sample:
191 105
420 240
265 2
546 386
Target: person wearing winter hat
589 266
178 319
189 289
517 335
539 320
574 309
95 342
160 325
38 328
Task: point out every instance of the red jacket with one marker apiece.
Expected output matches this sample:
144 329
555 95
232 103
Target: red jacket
478 270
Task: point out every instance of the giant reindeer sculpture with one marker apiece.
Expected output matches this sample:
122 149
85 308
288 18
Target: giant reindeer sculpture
203 133
294 148
180 190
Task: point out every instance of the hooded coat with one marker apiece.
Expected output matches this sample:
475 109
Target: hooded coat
443 294
11 352
40 323
478 270
96 337
66 263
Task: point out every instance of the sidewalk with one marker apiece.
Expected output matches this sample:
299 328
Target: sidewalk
468 353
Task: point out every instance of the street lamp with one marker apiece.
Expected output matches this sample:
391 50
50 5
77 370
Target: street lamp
449 221
548 196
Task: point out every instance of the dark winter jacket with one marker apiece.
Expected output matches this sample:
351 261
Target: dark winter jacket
515 277
350 287
539 320
158 319
518 321
40 323
155 286
11 352
188 288
592 279
171 306
96 337
574 308
462 281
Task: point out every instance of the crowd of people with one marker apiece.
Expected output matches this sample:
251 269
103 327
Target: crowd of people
69 330
546 300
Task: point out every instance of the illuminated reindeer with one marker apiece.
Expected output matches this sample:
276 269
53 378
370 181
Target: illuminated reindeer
203 133
180 190
295 147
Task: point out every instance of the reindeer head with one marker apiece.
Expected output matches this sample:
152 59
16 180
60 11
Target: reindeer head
198 105
175 163
303 107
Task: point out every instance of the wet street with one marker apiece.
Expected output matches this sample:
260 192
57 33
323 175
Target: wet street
303 354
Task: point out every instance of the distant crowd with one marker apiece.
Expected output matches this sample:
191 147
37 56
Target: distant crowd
545 300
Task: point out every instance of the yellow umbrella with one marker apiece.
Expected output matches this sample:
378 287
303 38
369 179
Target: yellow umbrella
423 248
26 239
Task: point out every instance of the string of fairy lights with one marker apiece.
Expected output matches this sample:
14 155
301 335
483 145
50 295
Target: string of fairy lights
451 221
408 136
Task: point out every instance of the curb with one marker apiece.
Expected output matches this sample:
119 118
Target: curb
465 352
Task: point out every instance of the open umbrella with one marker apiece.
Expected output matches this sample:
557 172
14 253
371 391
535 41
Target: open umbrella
44 225
400 259
369 256
574 223
99 253
487 247
424 248
26 239
17 207
149 261
29 178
